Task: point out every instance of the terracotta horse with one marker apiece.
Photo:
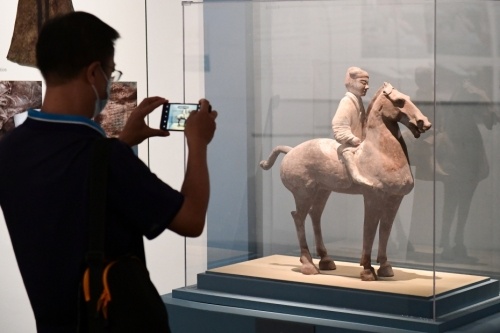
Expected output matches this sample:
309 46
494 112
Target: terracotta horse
312 170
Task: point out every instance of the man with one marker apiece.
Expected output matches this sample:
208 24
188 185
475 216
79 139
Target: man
44 168
349 121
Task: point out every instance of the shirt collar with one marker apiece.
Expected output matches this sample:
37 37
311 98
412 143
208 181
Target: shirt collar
65 119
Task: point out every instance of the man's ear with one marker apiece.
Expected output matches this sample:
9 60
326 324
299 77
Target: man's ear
92 71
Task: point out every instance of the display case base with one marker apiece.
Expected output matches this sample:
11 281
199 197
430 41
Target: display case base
272 291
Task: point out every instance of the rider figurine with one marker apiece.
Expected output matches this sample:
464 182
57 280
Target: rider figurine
349 121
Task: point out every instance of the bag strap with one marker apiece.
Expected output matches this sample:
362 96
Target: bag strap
98 178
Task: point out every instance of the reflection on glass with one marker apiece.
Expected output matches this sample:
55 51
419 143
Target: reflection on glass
461 155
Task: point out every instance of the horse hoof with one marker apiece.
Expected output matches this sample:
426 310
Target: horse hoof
327 264
309 269
385 271
368 274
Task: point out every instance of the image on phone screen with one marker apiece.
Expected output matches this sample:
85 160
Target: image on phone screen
174 115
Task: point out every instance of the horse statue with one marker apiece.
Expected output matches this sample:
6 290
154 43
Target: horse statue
312 170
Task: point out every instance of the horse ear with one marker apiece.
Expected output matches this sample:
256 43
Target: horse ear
387 89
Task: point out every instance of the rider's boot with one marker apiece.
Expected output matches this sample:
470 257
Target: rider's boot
353 170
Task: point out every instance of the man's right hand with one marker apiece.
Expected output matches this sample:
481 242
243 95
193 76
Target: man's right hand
136 130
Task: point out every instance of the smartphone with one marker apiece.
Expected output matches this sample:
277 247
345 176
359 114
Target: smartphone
174 115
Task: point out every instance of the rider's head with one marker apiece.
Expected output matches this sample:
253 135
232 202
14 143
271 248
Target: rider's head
356 81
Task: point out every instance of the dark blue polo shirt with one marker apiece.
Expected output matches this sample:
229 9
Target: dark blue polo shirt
44 167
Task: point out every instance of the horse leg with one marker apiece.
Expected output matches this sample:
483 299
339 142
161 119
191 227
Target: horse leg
371 221
318 205
391 208
303 205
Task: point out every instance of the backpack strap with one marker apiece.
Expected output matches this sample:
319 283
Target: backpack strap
98 178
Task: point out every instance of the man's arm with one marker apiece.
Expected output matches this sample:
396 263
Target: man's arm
200 128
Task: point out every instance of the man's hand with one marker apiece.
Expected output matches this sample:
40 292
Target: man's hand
136 130
200 125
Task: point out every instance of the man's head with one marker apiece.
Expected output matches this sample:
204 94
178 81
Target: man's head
356 81
69 43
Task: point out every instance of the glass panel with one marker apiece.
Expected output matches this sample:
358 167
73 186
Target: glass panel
467 163
275 72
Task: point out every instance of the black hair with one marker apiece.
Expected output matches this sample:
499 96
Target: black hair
70 42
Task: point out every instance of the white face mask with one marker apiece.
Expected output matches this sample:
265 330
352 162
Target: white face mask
100 104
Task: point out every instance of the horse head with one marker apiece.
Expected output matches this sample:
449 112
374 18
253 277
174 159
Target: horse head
404 111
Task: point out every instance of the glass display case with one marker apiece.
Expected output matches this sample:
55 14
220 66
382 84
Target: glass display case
275 72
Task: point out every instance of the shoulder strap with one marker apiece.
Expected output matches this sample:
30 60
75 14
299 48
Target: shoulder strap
98 178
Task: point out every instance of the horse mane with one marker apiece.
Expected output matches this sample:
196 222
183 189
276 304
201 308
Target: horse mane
399 138
375 97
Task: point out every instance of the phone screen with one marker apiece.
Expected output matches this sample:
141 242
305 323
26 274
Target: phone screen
174 115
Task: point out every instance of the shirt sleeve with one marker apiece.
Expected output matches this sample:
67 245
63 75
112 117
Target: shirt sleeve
138 197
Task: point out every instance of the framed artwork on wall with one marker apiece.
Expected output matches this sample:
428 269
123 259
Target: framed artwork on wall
122 101
17 97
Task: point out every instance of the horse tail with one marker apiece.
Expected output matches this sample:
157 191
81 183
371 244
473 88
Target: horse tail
268 164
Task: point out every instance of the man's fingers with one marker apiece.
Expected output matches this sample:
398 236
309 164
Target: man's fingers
149 104
205 105
157 132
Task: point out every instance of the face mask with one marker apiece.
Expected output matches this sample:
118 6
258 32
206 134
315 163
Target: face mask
101 103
